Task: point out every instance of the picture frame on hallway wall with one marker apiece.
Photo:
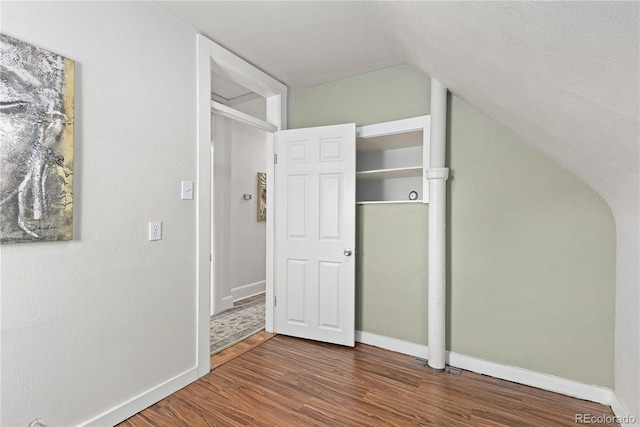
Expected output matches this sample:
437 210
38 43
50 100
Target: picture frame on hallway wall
36 148
262 196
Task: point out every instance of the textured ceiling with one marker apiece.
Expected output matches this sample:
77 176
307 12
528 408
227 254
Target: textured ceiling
561 75
301 44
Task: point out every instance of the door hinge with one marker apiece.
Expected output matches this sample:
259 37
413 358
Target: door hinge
275 159
275 300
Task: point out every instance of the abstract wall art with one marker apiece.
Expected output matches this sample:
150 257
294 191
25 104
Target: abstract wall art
262 196
36 143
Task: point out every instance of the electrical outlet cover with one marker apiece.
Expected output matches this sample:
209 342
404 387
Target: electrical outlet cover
155 231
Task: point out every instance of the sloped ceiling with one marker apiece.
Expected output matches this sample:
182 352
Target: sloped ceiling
561 75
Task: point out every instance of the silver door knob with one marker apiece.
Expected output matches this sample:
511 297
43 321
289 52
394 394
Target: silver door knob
347 252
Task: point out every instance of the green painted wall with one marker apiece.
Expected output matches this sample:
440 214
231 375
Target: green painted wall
531 249
532 256
391 94
391 279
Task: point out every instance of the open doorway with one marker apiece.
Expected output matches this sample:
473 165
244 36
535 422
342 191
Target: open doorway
214 58
238 221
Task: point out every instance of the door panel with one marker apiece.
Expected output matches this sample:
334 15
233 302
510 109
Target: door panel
330 206
297 284
298 188
315 224
329 301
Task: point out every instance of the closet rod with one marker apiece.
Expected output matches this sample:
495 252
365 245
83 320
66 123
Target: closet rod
234 114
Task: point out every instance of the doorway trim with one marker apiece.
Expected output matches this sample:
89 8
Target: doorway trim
213 57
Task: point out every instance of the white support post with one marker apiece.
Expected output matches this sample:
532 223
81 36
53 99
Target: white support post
437 175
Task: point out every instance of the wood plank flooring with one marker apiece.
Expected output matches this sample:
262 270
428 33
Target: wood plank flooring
248 300
291 382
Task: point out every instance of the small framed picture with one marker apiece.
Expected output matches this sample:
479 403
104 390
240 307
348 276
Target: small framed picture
262 196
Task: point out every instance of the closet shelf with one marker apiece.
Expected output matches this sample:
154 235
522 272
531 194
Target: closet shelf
391 158
389 142
390 173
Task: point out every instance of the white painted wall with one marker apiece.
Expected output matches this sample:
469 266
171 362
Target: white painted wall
627 334
92 323
221 298
249 239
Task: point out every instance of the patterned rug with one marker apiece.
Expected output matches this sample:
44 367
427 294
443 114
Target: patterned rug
236 324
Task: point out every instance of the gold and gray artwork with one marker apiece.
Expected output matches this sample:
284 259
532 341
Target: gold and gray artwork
262 196
36 137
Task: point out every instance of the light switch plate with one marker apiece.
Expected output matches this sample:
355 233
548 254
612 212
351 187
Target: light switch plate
186 192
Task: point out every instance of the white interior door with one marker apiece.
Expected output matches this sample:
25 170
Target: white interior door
315 233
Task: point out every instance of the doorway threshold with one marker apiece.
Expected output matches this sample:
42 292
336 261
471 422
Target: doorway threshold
240 348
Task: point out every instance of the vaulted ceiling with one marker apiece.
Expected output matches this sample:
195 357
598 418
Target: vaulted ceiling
561 75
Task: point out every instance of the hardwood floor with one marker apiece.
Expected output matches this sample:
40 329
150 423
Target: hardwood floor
248 300
291 382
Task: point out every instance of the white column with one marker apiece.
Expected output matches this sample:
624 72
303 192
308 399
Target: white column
437 175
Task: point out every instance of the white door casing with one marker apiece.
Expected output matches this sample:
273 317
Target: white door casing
213 57
315 233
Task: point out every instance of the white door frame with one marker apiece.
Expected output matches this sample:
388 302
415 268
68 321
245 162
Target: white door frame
213 57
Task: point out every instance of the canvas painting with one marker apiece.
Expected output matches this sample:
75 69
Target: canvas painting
262 196
36 137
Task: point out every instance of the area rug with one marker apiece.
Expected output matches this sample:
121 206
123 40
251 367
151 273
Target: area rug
236 324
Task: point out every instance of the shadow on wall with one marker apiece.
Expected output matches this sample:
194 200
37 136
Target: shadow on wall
449 252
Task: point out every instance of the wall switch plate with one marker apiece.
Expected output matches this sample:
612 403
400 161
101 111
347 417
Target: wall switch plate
186 192
155 231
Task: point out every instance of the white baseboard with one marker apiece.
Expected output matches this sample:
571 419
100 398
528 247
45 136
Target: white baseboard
225 304
121 412
393 344
548 382
249 290
510 373
622 413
